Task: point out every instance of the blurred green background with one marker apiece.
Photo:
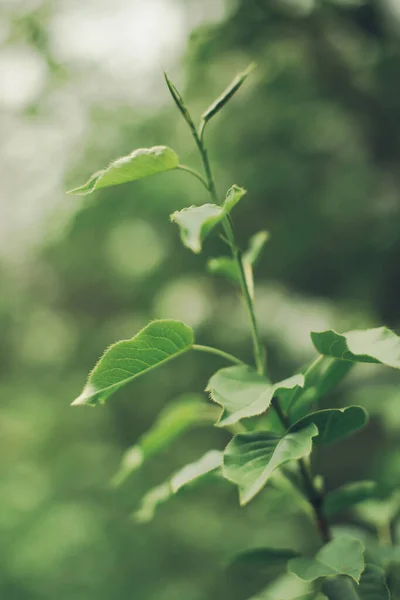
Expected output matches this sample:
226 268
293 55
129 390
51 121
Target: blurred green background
314 135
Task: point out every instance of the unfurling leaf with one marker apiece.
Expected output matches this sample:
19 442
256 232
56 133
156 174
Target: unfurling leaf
243 393
172 422
349 495
192 473
157 343
334 424
137 165
196 222
379 345
227 93
251 458
179 101
342 556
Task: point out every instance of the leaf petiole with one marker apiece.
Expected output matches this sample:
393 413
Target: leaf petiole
218 352
194 173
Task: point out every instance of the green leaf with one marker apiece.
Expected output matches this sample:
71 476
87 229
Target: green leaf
172 422
157 343
233 196
380 512
379 345
271 561
243 393
340 588
320 378
225 267
256 245
334 424
137 165
179 101
373 586
196 222
251 458
193 473
341 556
348 495
227 94
287 587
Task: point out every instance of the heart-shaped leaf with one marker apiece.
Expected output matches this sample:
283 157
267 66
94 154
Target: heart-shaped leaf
379 345
349 495
334 424
193 473
137 165
172 422
157 343
251 458
342 556
196 222
243 393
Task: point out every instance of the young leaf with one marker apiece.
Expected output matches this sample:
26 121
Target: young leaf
227 267
341 556
233 196
172 422
334 424
196 222
251 458
243 393
227 94
192 473
179 101
348 495
157 343
256 245
137 165
379 345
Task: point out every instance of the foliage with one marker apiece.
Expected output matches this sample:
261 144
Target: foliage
256 452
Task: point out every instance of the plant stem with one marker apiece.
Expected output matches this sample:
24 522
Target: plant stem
193 172
314 496
257 347
218 352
